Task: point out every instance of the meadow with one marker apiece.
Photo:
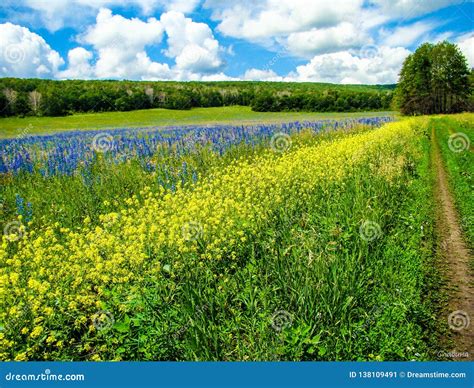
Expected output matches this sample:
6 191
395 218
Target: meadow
309 240
19 127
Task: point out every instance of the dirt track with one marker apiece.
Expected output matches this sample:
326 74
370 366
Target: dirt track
456 253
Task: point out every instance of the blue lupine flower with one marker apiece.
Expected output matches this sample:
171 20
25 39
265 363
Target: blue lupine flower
65 153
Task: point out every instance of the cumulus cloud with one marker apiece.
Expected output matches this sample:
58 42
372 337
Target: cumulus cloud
184 6
407 35
271 18
55 14
410 9
309 27
325 40
120 44
116 31
261 75
26 54
217 77
79 66
381 67
466 44
191 44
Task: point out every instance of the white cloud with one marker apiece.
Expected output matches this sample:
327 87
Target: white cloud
325 40
309 27
127 34
407 35
217 77
344 67
410 9
55 14
191 44
466 44
120 44
79 66
268 19
26 54
184 6
261 75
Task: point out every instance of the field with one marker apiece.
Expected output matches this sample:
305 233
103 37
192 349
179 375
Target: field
315 240
21 127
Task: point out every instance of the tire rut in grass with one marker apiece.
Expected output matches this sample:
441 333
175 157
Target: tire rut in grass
454 250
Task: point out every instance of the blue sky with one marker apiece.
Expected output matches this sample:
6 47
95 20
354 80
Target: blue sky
340 41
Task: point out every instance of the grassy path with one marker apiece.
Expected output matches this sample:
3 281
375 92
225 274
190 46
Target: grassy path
455 251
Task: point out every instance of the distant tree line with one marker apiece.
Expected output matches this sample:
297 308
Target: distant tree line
36 97
330 100
435 79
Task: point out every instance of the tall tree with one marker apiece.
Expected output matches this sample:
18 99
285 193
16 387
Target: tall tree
434 79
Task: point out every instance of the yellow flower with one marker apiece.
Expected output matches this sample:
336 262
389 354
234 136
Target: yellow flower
21 357
36 332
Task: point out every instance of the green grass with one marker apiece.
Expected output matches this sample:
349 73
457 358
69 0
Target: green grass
12 127
459 166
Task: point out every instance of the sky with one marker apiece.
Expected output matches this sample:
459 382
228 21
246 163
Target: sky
337 41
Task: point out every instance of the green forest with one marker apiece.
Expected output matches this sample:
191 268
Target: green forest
38 97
